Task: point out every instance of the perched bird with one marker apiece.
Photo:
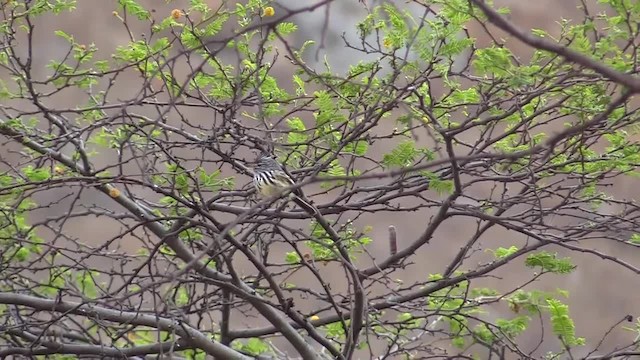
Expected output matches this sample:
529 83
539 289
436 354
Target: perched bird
270 180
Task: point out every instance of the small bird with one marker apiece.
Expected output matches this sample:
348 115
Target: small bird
270 179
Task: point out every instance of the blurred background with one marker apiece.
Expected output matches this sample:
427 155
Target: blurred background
601 293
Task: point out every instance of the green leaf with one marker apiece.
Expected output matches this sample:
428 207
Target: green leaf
4 91
335 169
36 175
442 187
358 147
458 342
216 25
409 321
483 333
296 124
335 330
63 5
397 32
22 253
550 262
299 83
323 247
562 324
102 65
469 96
514 327
326 108
454 47
87 284
132 7
539 33
181 296
494 61
200 6
292 258
286 28
133 53
297 136
403 155
65 36
255 346
501 253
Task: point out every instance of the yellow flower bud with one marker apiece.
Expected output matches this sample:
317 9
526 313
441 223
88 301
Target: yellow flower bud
268 11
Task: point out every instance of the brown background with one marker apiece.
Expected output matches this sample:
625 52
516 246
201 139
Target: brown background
600 292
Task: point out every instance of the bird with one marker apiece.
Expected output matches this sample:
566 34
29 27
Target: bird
270 180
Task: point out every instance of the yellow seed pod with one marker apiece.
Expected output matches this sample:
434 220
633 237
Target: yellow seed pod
176 14
114 192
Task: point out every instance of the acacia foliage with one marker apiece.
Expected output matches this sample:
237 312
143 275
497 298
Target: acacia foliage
430 125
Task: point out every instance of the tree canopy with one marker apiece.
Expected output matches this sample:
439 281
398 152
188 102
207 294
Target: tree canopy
439 160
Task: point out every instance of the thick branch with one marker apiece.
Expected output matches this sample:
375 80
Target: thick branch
194 336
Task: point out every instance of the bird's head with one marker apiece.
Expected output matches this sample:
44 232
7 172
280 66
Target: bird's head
266 162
